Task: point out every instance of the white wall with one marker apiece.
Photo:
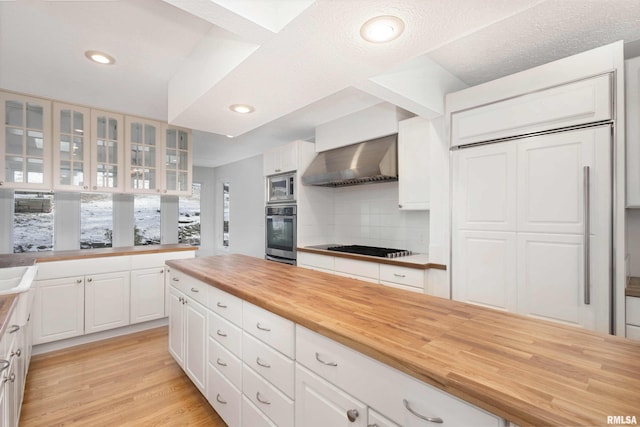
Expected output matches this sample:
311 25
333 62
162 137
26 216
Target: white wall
246 216
207 178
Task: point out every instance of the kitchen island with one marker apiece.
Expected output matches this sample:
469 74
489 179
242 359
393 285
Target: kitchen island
527 371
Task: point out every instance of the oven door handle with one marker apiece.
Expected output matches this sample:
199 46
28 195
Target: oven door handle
280 216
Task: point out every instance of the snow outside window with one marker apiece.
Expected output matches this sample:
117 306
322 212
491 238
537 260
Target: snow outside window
189 217
33 222
96 220
146 210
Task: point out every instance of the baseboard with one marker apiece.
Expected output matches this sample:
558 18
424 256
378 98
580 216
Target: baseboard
98 336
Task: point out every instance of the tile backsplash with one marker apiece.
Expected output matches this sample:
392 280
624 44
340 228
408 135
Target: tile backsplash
369 215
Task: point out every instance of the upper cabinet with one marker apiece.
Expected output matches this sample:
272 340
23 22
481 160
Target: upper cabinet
143 160
281 159
177 161
632 97
48 145
413 164
25 142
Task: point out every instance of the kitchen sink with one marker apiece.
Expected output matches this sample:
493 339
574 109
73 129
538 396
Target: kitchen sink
19 280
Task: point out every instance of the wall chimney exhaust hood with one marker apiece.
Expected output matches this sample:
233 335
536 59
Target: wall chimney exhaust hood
371 161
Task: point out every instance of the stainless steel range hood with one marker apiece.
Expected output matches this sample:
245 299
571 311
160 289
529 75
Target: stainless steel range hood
375 160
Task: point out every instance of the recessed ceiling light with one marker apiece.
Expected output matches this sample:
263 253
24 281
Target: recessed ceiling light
242 108
382 29
100 57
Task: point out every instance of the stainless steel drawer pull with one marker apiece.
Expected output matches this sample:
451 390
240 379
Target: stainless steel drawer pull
219 399
323 362
399 275
11 378
220 333
266 402
352 415
221 305
262 328
14 329
374 425
261 363
5 364
175 279
220 362
195 290
422 417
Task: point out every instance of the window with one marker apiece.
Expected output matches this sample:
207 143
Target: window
147 220
33 222
225 214
96 220
189 217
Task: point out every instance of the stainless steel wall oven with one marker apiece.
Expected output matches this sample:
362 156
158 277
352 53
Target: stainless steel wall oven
280 233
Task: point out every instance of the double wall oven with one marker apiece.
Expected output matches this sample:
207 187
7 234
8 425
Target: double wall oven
280 219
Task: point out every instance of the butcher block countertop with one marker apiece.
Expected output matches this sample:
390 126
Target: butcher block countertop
633 287
412 261
528 371
28 258
6 308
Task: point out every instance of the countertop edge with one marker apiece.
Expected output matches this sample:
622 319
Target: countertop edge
379 260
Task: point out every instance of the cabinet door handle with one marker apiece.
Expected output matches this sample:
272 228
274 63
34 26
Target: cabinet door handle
161 271
352 415
399 275
221 333
422 417
219 399
5 364
220 362
261 363
266 402
324 362
89 280
587 232
175 279
262 328
11 377
17 353
14 329
221 305
78 280
374 425
195 290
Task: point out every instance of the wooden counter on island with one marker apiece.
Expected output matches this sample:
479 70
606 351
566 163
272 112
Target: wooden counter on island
527 371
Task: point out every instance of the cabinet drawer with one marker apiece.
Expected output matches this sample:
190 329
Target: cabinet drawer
378 420
82 267
307 259
358 268
383 388
226 333
355 276
633 332
226 305
272 402
224 361
271 364
252 417
272 329
633 310
190 286
402 275
571 104
224 397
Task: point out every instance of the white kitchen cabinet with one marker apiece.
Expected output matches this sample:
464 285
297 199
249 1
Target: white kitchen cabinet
269 328
143 160
25 142
632 305
413 164
320 404
581 102
176 325
252 417
632 122
281 159
106 301
518 231
177 161
71 148
188 336
147 294
224 397
14 360
269 363
272 402
378 420
107 152
58 309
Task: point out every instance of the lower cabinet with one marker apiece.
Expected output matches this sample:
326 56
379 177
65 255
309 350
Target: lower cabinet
147 294
320 404
106 301
187 336
58 309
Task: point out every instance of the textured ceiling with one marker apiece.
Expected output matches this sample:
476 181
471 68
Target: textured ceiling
299 63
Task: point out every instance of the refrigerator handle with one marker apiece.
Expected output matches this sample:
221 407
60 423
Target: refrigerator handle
587 232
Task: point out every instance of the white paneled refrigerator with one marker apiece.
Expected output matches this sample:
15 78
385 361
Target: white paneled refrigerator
532 226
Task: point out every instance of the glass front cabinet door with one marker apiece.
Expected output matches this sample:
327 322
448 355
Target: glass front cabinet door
25 142
177 161
144 148
107 152
71 147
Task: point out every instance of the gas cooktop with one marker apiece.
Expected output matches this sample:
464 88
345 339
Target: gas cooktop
370 250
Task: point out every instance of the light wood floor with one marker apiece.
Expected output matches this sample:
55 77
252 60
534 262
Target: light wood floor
123 381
